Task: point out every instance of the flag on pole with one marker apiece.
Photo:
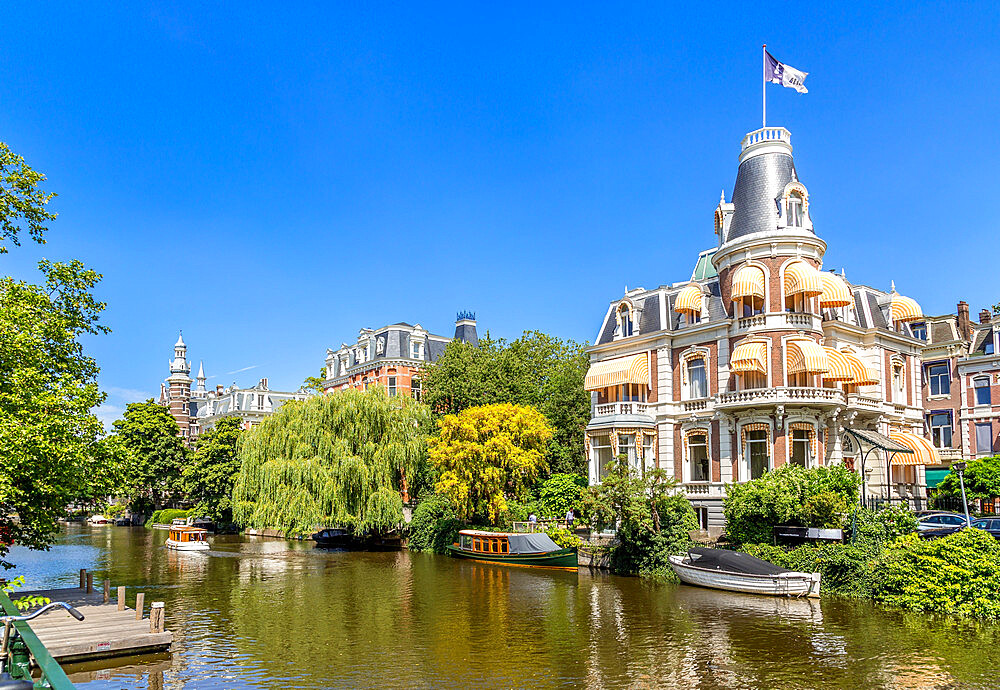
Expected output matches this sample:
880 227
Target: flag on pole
786 75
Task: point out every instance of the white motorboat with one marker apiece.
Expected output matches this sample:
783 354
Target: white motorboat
187 539
740 572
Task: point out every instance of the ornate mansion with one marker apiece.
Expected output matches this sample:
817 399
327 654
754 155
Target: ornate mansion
762 358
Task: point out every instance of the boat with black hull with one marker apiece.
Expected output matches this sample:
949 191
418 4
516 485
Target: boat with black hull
508 548
740 572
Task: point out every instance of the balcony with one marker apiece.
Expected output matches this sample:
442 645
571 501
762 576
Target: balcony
766 135
776 321
754 397
704 489
864 403
949 454
621 408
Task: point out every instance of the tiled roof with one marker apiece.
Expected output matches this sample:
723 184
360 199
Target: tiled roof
759 182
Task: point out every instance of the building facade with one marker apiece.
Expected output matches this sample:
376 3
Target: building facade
197 410
761 358
961 386
392 356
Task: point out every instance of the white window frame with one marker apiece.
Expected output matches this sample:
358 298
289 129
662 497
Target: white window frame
931 378
689 459
981 383
938 439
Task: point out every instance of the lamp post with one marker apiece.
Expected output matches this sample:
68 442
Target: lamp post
960 468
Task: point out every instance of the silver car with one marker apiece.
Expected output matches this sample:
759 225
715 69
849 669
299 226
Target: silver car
940 520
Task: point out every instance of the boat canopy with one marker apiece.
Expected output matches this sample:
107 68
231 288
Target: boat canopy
531 543
732 561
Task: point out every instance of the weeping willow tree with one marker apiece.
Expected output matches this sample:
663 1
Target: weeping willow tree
337 460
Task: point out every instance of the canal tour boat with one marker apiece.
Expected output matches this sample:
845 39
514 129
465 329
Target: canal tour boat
741 572
183 538
508 548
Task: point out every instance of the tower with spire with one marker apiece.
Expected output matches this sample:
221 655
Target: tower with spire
178 386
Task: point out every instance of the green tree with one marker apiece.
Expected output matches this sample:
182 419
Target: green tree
153 453
652 519
982 480
486 454
48 386
22 203
315 383
561 492
536 370
209 476
339 460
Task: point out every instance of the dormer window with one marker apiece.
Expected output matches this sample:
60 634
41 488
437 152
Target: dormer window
796 210
919 330
625 317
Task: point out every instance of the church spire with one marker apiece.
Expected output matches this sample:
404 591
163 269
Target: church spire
201 376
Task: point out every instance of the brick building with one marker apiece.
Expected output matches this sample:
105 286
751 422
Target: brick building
961 386
392 356
198 409
761 358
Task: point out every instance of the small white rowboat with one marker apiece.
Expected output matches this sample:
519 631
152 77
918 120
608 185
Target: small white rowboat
740 572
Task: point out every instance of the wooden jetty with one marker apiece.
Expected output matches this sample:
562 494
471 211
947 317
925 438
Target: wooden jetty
109 628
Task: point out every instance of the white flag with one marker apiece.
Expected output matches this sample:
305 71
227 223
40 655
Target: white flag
786 75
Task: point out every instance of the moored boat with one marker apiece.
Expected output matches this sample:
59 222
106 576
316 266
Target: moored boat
332 538
184 538
741 572
508 548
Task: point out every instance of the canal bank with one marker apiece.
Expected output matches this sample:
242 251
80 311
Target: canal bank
264 613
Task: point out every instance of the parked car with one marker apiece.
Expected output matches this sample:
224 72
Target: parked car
991 525
939 520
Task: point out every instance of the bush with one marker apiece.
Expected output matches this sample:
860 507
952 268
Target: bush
845 569
167 515
559 493
434 525
874 530
789 495
564 538
958 574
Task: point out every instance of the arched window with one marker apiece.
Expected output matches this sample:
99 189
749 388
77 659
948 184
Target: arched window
625 326
697 378
697 456
982 387
795 206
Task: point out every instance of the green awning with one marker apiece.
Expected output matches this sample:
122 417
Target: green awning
934 477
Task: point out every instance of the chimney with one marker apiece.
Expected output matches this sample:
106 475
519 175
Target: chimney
964 323
465 328
984 316
219 388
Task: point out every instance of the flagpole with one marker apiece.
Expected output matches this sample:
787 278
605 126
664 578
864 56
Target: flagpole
763 87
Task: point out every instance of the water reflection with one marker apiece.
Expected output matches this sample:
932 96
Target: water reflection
266 613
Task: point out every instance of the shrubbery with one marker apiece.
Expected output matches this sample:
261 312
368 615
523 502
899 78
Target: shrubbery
167 515
559 493
958 574
789 495
434 525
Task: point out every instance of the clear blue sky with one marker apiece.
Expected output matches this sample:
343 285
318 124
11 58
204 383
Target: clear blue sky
272 178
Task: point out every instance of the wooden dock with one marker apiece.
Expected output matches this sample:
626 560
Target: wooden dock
109 628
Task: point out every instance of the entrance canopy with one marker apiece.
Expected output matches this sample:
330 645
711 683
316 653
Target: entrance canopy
877 440
615 372
923 451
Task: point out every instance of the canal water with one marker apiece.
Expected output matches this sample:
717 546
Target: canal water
265 613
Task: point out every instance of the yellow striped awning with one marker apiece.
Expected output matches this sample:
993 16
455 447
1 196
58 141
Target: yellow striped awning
614 372
904 309
845 366
835 291
804 356
749 357
802 278
688 300
748 281
924 452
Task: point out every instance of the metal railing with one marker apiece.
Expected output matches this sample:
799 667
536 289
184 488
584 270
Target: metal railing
24 648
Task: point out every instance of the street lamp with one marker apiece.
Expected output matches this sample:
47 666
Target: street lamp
960 468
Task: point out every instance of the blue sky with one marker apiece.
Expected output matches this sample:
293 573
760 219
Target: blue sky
271 178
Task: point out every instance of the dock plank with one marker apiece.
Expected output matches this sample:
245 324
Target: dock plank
104 632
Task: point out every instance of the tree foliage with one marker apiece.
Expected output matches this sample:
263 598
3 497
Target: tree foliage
48 387
536 370
337 460
561 492
486 454
982 480
154 453
652 519
789 495
315 383
209 476
434 525
22 203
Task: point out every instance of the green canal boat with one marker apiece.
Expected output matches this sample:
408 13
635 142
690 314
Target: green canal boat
507 548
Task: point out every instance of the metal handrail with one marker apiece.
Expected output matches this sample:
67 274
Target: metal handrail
24 646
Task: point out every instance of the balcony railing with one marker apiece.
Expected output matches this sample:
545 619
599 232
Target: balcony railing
704 489
755 321
949 454
616 408
764 396
695 405
760 136
864 402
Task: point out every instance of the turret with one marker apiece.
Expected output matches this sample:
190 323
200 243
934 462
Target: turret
201 377
465 327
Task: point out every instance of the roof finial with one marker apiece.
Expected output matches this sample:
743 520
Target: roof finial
722 197
892 284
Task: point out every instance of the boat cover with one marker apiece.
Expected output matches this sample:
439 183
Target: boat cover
732 561
531 543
